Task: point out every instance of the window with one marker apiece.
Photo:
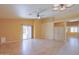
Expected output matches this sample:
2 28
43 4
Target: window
73 29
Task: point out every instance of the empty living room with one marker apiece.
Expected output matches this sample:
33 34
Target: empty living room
39 29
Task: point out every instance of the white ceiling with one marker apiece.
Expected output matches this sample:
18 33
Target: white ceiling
30 10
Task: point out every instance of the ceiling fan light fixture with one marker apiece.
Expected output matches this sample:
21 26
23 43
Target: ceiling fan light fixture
38 17
60 7
55 8
63 8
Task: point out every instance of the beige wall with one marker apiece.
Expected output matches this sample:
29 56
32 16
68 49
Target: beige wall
12 28
42 29
47 29
59 31
37 29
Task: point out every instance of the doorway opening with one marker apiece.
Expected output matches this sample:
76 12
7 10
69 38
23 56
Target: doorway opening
27 32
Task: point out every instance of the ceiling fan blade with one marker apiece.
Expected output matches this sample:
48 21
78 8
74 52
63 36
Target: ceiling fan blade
38 13
33 12
42 10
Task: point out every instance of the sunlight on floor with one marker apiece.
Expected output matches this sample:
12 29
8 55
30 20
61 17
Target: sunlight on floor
41 47
71 47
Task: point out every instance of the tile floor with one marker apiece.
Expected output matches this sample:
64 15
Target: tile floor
41 47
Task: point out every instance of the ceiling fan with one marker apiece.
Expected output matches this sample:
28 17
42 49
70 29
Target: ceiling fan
38 13
61 7
57 7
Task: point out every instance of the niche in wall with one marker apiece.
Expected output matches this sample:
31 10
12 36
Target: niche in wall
59 31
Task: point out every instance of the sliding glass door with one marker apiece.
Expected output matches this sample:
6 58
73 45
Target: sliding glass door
27 32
